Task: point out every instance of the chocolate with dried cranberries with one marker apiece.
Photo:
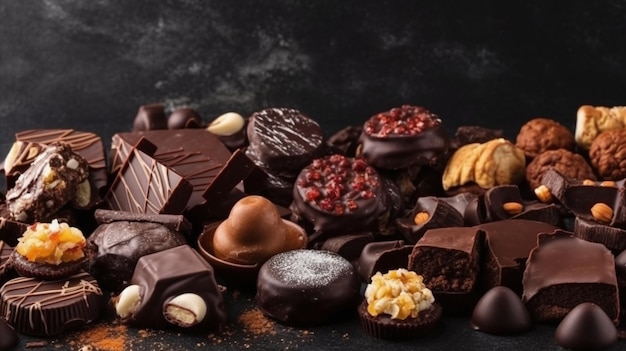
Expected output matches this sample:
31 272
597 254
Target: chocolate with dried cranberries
338 193
403 137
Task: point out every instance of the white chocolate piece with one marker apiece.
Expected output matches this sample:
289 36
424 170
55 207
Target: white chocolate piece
226 124
185 310
128 301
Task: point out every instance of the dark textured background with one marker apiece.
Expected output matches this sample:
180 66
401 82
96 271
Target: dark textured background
90 64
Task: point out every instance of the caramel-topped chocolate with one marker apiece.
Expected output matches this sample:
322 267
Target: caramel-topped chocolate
403 137
47 308
564 271
254 231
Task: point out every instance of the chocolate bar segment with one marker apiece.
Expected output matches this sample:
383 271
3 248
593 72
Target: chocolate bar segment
144 185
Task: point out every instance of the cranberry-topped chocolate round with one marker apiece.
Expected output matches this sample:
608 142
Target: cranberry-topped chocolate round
338 192
403 137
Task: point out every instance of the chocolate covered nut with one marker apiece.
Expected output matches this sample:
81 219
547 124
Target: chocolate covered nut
185 310
150 117
569 164
227 124
402 137
542 134
608 154
184 118
48 184
127 302
602 213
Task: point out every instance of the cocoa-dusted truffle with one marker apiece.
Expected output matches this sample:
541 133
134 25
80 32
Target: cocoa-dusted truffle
402 137
608 154
254 231
542 134
570 164
338 193
501 312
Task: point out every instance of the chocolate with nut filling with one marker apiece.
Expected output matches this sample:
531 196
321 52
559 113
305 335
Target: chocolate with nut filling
564 271
52 180
505 201
336 194
403 137
30 143
284 140
121 242
48 308
429 212
164 275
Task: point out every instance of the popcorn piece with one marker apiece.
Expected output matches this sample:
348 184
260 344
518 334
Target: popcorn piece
52 243
399 293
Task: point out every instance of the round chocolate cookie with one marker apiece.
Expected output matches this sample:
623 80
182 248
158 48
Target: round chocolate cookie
338 193
49 271
48 308
121 244
284 139
403 137
307 287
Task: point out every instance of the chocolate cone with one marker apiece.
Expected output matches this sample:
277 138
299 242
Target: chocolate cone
500 311
586 327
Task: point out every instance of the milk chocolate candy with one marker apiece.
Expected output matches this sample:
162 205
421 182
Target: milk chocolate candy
145 185
120 244
51 181
162 277
284 139
48 308
150 117
30 143
564 271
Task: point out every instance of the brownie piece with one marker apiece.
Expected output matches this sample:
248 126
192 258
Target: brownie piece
564 271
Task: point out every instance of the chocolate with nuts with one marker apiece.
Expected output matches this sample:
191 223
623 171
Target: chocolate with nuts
568 163
429 212
52 180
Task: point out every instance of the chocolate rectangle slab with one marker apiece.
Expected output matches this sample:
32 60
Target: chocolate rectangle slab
144 185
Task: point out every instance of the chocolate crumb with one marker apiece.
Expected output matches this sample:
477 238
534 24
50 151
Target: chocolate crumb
256 323
36 344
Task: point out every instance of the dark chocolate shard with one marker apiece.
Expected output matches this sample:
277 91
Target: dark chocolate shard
436 214
144 185
348 246
30 143
8 336
586 327
501 312
383 256
173 222
612 237
10 230
150 117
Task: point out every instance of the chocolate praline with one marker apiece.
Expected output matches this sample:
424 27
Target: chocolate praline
501 312
307 287
586 327
338 193
403 137
184 118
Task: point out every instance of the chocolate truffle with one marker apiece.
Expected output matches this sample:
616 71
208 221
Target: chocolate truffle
47 308
501 312
586 327
307 287
337 193
120 244
564 271
402 137
284 140
608 154
542 134
173 287
150 117
254 231
184 118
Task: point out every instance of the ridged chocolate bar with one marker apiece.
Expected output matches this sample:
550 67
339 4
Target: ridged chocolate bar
145 185
47 308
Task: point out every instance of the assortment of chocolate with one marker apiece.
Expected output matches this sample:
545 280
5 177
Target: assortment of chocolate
476 225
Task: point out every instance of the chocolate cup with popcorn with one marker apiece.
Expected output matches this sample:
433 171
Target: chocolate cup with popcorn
384 327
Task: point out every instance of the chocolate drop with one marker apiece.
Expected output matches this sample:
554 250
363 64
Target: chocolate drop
501 312
586 327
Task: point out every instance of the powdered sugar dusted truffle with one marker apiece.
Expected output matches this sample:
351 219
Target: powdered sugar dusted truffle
304 287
